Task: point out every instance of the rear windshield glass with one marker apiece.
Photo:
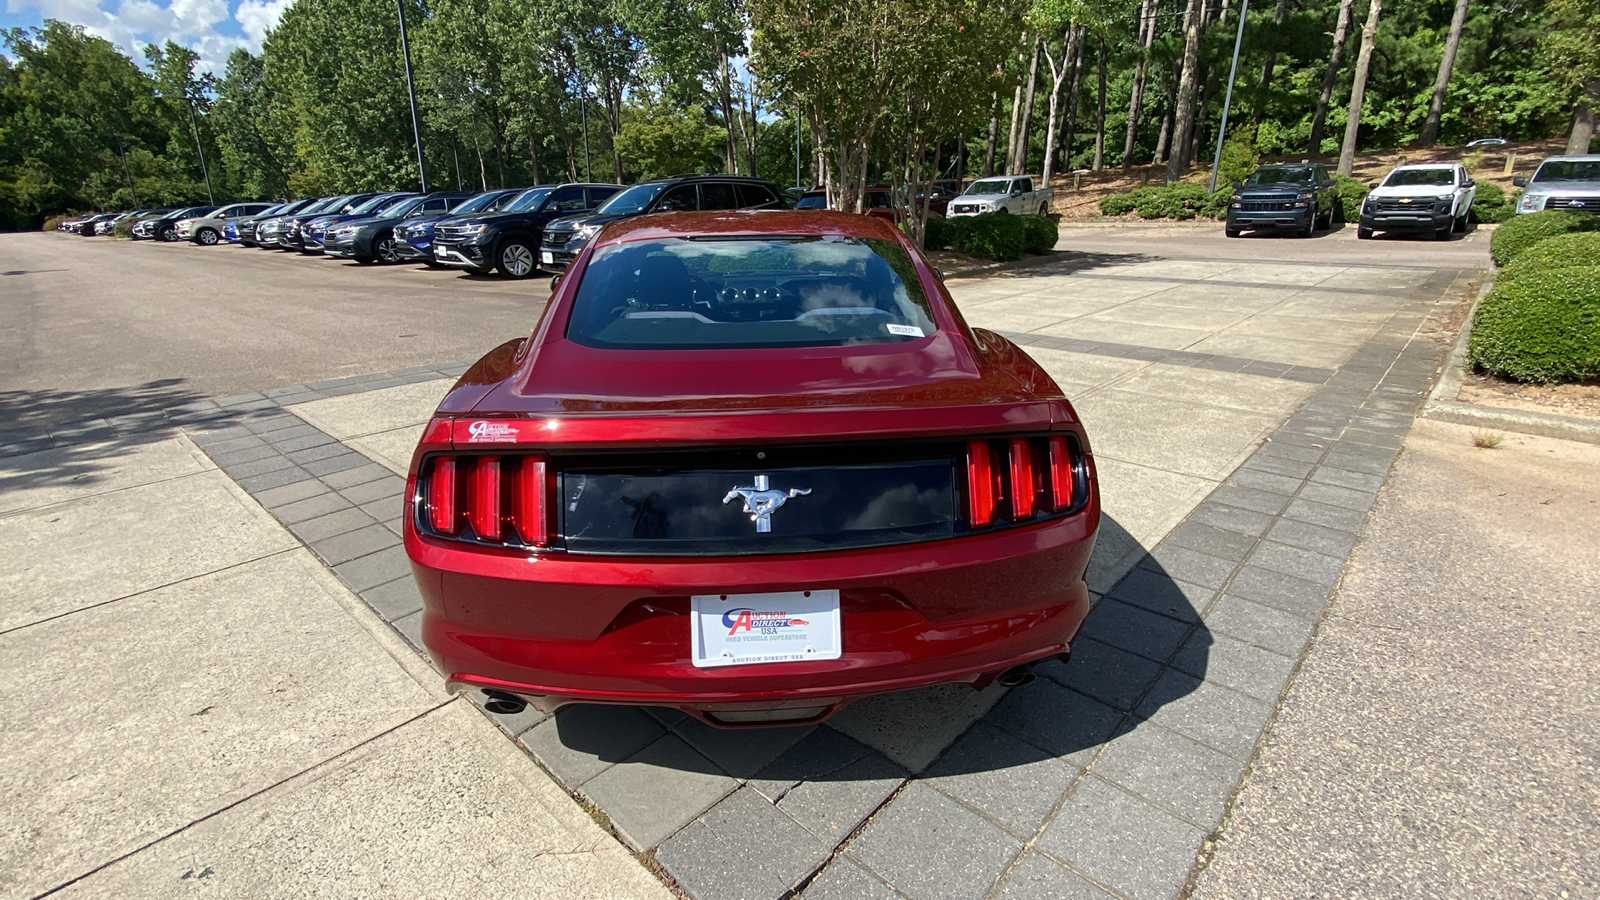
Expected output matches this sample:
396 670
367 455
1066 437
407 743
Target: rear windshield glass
1569 170
801 291
1420 177
1296 175
812 201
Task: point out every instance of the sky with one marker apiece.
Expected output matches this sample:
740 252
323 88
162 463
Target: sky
213 28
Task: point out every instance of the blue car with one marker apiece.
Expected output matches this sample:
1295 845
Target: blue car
230 232
314 232
414 240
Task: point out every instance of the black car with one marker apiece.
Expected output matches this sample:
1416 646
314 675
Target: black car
165 227
1297 197
414 240
565 238
249 228
509 239
291 234
371 238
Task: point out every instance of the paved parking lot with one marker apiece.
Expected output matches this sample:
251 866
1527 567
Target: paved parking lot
1244 416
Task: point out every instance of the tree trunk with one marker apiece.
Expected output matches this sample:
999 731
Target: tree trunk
1057 75
1079 34
1430 125
1100 115
533 157
1016 116
1147 32
1268 66
1319 120
730 150
994 128
1188 87
1358 89
1165 137
1582 133
1019 162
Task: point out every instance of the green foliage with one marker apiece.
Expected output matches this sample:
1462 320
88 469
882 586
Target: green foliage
53 222
1039 234
1350 192
998 236
1541 327
943 232
657 140
1239 158
1179 200
1522 232
1564 251
1492 204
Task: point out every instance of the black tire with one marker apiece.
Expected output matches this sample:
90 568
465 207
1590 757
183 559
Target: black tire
383 249
1311 226
1232 231
515 258
1443 232
1363 232
167 234
1044 209
1460 226
207 237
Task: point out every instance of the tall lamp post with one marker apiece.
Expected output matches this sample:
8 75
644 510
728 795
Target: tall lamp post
411 93
203 170
1222 131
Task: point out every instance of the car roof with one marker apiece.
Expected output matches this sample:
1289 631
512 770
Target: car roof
1582 157
673 179
1431 164
756 223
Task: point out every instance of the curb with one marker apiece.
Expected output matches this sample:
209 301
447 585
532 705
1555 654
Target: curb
1442 406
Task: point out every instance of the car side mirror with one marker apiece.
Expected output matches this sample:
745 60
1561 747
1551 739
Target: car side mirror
1519 181
1372 185
938 273
1237 185
555 282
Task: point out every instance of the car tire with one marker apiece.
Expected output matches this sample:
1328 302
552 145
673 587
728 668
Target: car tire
1460 225
1044 209
168 235
515 258
1232 231
1363 232
1311 226
206 236
383 249
1443 232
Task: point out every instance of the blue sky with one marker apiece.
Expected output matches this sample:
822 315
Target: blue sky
212 27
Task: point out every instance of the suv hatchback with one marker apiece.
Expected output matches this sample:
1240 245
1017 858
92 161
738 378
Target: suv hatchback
1292 197
1570 183
565 238
508 239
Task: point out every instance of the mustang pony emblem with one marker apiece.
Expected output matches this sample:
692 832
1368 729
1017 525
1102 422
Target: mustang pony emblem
760 501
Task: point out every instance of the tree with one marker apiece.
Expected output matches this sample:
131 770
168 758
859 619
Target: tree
1320 118
1188 86
1447 62
1358 87
1574 58
1147 36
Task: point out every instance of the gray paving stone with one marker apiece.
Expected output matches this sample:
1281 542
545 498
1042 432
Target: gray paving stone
1108 674
817 756
304 442
1209 539
410 628
273 498
743 848
342 548
740 752
329 525
1265 481
273 479
271 463
377 489
1219 515
1336 517
1278 465
1327 541
1154 590
1332 495
583 740
290 433
1266 502
340 390
1038 877
1307 565
1061 722
375 568
1261 625
395 599
231 458
389 510
1356 458
297 398
1013 783
360 475
333 464
1235 664
313 454
833 807
1279 591
1180 775
1359 481
651 795
1273 448
285 390
1222 719
1121 841
1373 438
845 879
211 438
1135 629
311 507
1192 568
931 848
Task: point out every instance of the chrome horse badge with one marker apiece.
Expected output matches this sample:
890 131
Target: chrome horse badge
760 501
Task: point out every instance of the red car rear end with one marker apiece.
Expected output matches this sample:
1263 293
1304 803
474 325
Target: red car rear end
753 466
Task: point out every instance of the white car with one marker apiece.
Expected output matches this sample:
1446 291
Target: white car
1571 183
1428 197
1002 193
207 229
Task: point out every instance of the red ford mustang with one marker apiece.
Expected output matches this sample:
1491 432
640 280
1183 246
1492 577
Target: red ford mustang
752 465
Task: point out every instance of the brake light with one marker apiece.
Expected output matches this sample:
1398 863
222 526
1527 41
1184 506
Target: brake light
1022 487
981 491
1035 477
483 503
442 495
487 493
1061 474
528 510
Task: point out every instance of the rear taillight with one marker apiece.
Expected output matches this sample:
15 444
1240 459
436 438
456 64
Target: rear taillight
495 499
1022 479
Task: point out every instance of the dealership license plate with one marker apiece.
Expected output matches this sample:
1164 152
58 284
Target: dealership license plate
546 258
745 629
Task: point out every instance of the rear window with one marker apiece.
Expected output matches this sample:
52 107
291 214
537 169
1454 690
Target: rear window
768 291
812 201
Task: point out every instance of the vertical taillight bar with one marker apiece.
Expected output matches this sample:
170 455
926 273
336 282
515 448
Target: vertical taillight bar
1022 489
442 495
1062 483
483 493
981 494
528 511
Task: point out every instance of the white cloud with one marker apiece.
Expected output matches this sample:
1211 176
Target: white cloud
258 18
202 25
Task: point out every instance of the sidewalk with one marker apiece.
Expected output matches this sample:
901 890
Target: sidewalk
192 701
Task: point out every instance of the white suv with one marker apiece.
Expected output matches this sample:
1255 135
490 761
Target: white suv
207 229
1424 197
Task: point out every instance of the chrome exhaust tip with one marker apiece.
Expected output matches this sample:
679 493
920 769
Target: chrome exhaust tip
1016 676
502 703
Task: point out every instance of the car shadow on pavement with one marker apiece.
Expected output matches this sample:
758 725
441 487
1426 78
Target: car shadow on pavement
1142 647
84 431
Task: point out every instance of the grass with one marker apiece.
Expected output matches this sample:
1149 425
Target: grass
1487 440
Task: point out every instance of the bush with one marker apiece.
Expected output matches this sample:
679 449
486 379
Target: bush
1541 327
1522 232
1564 251
1350 192
52 223
124 229
1039 234
941 232
1489 204
1123 203
997 236
1179 200
1239 158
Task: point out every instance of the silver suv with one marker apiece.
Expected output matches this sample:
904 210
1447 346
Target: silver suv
1562 182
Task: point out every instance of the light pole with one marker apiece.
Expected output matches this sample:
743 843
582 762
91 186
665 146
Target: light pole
121 154
411 93
1222 131
203 170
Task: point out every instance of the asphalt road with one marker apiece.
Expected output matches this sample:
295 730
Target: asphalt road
1339 246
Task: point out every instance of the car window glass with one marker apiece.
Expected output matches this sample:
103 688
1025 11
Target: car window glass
1420 178
599 195
633 200
1568 170
1280 175
878 200
749 292
989 186
754 195
480 203
566 200
679 199
812 201
714 195
528 200
437 204
1026 184
372 205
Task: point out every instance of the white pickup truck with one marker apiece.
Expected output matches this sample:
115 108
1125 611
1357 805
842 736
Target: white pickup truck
1002 193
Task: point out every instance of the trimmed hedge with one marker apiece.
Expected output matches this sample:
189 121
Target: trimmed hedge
124 229
998 236
1350 192
1179 200
940 232
1490 204
1564 251
52 223
1522 232
1541 327
1039 234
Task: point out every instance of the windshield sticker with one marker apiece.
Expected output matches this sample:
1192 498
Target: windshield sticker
904 330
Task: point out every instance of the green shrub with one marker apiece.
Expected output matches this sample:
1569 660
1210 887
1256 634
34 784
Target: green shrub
1541 327
1217 206
996 236
1123 203
1039 234
1521 232
124 229
1179 200
52 223
1350 192
1490 204
941 232
1239 158
1564 251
